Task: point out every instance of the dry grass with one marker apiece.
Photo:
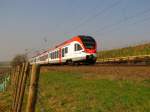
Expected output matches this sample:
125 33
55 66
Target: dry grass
5 102
5 98
95 89
88 93
3 70
105 72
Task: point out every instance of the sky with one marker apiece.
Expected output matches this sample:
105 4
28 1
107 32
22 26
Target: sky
33 25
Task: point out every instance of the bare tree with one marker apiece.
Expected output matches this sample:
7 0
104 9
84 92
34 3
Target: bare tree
19 59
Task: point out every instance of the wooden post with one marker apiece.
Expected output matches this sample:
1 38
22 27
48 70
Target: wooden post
33 88
11 76
26 72
19 87
16 80
14 72
14 69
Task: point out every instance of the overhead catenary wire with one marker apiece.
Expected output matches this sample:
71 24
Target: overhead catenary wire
82 18
92 17
122 21
118 28
142 20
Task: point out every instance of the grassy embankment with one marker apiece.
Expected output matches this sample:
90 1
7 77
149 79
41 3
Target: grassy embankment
4 63
5 97
5 101
143 49
68 91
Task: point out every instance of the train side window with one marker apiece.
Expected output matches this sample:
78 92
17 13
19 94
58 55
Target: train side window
57 54
51 56
75 47
54 55
78 47
63 52
66 50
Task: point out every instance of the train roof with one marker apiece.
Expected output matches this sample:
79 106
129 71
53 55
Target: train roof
85 37
76 38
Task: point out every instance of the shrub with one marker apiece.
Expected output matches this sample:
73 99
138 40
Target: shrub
19 59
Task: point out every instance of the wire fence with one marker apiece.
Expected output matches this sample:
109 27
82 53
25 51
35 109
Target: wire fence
23 89
4 87
4 80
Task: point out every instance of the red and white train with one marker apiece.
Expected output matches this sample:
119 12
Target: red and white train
79 49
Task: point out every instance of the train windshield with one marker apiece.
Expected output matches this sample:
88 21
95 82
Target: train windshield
88 42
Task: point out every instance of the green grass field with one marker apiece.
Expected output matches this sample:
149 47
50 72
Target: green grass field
5 101
143 49
64 89
70 92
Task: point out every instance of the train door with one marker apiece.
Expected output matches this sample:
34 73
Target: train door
60 55
77 51
77 48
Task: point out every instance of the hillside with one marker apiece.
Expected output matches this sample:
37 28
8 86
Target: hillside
4 64
143 49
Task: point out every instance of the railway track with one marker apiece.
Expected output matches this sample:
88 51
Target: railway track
122 64
98 64
140 60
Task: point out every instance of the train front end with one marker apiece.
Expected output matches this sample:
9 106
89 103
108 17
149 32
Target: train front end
90 48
